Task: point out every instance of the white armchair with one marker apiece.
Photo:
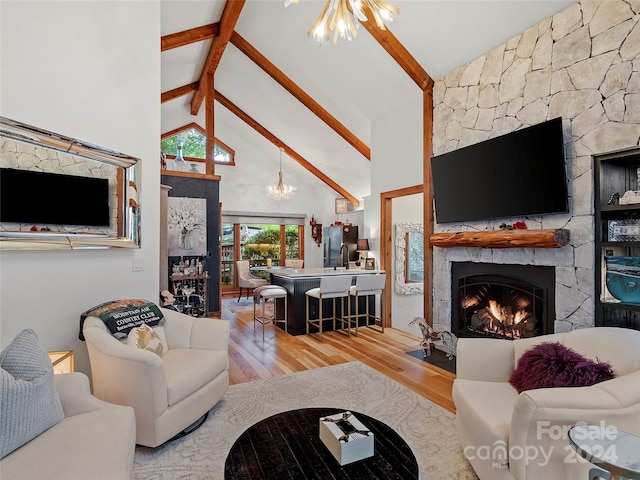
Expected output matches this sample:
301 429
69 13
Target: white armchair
506 435
168 393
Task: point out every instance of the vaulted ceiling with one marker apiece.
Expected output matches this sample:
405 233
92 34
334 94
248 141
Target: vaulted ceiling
327 96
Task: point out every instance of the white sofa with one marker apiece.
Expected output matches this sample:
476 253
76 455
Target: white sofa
168 393
496 425
95 440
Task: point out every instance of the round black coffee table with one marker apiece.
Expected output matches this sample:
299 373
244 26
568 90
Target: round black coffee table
288 446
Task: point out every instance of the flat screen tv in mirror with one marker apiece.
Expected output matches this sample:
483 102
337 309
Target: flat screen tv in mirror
518 174
55 199
59 192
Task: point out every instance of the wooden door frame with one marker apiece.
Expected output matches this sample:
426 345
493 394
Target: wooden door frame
386 246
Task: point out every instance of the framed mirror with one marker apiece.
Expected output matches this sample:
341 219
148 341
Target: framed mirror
60 193
409 264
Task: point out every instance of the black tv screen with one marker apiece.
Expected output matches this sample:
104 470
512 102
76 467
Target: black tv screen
49 198
518 174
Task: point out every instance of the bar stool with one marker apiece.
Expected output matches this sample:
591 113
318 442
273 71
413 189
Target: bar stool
367 285
330 287
262 295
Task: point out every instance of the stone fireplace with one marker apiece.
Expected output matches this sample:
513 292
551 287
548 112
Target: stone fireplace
581 65
502 301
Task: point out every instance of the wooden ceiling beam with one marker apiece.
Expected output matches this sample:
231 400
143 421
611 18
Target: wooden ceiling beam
228 20
280 144
398 52
303 97
178 92
186 89
186 37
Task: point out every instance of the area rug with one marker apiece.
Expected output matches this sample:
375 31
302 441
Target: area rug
425 426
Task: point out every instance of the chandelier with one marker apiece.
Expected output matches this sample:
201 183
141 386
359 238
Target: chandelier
343 17
281 191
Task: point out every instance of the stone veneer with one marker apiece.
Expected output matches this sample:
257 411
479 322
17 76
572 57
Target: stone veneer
582 64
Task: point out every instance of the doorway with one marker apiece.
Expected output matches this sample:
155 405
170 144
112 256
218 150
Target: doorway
386 249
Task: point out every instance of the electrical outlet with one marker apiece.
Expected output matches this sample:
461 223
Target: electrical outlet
137 265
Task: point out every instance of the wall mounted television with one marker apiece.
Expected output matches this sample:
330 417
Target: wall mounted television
518 174
54 199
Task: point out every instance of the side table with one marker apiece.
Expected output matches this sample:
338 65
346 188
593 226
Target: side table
614 452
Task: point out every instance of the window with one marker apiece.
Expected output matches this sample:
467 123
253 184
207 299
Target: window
194 145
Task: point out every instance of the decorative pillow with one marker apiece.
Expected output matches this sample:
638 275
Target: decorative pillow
146 338
29 402
121 316
550 365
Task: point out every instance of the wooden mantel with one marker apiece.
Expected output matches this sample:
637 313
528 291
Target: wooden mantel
542 238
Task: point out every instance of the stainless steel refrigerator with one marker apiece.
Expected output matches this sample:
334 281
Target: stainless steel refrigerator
333 238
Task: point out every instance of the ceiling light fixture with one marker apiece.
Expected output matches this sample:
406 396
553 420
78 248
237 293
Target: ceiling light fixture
281 191
343 17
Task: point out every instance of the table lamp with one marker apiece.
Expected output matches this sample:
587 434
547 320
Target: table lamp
63 362
363 247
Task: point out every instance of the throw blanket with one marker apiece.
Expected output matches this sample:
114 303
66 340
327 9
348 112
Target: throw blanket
121 316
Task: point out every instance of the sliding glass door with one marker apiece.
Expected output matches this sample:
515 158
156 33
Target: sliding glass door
258 243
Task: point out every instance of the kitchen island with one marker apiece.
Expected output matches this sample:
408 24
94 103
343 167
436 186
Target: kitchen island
296 281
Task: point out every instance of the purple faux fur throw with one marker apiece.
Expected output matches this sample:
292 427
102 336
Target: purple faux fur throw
550 365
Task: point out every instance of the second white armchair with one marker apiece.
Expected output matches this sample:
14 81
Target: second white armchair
170 392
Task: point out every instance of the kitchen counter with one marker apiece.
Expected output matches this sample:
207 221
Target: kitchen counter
296 281
317 272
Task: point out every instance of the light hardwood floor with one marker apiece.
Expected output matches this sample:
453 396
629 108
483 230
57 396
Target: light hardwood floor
281 353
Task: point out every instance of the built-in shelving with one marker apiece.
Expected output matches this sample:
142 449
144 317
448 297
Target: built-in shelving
615 173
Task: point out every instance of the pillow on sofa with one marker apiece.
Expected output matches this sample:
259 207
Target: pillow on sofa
550 365
29 403
146 338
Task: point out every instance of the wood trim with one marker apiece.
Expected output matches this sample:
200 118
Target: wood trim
178 92
176 131
283 245
399 53
280 144
386 244
301 242
303 97
210 125
427 208
230 15
186 37
199 176
542 238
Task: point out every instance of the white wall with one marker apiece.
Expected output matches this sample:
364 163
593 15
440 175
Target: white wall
396 162
89 70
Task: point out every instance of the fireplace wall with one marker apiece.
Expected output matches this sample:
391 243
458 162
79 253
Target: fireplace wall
582 64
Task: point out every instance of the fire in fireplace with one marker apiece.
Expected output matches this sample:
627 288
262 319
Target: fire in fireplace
502 301
497 320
